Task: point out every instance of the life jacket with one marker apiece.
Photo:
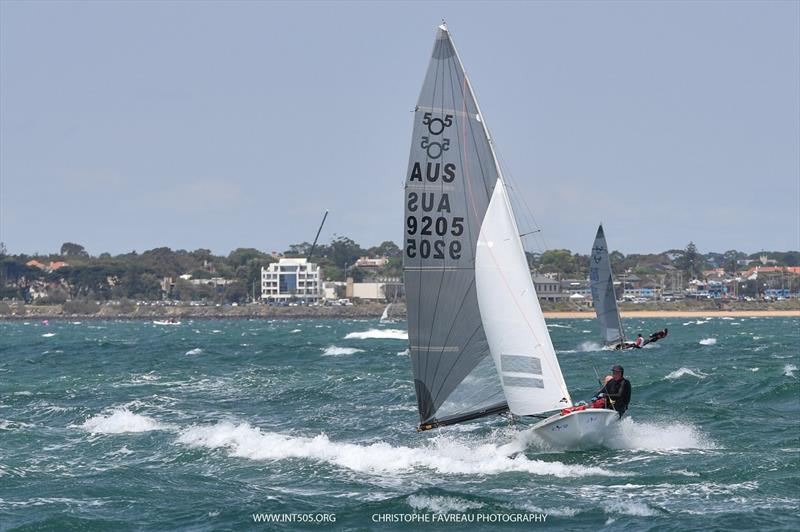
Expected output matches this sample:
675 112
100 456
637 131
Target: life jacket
598 403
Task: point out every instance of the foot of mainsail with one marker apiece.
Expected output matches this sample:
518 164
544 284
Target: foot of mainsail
435 423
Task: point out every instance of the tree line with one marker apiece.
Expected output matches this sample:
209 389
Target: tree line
139 275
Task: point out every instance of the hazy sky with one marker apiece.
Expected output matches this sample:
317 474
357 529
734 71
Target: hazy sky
128 126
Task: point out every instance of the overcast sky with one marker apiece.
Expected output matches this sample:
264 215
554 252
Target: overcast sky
129 126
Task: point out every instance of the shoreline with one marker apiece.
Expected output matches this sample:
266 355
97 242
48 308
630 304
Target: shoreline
361 311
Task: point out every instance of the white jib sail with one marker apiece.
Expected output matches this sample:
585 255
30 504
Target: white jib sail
512 318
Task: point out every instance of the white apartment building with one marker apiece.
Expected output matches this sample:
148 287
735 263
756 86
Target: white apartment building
291 279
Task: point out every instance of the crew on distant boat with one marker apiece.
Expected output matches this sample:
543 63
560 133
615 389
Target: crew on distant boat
625 345
617 391
639 343
658 335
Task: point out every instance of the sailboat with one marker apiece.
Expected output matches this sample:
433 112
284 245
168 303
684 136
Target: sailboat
385 315
604 297
479 344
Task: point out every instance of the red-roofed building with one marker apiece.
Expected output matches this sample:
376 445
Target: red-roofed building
768 269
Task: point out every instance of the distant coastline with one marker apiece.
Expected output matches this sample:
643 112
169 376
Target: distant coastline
369 310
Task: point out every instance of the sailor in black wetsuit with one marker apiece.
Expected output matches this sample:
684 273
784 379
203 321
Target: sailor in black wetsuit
617 391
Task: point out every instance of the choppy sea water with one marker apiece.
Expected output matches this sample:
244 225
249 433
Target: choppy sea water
131 425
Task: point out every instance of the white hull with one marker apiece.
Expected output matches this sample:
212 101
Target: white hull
577 430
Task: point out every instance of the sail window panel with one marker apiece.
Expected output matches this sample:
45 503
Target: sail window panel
521 364
522 382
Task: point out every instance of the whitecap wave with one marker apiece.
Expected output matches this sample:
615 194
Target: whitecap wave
789 370
390 334
296 331
440 504
659 436
444 454
333 350
48 335
638 509
119 421
559 326
708 341
680 372
403 353
195 351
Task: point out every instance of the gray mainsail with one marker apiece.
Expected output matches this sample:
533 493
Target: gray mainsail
603 295
450 179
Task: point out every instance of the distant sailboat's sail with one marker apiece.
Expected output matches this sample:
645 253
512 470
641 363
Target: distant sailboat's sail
450 180
603 295
385 315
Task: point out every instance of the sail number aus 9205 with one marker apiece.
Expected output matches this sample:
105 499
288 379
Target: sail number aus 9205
427 225
433 249
430 226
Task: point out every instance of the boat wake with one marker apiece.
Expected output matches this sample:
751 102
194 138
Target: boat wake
444 454
668 436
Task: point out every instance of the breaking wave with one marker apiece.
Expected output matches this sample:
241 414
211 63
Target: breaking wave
195 351
119 421
392 334
708 341
332 351
680 372
789 370
443 454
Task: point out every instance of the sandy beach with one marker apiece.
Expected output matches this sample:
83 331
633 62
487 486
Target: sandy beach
684 314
